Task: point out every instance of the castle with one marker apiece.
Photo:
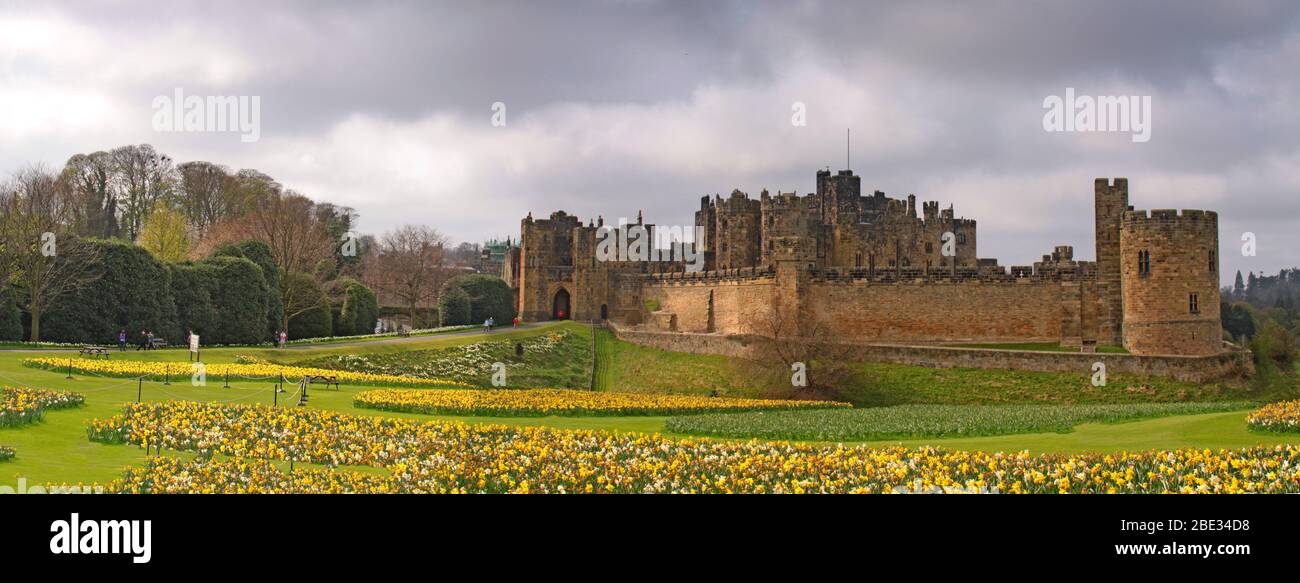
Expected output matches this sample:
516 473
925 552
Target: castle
837 265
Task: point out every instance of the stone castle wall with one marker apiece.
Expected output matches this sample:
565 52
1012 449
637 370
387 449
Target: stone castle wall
1185 368
1170 271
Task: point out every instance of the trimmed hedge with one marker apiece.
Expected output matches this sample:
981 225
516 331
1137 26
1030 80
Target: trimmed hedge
260 254
489 297
133 292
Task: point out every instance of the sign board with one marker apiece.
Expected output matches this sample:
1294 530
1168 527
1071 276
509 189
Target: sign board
194 342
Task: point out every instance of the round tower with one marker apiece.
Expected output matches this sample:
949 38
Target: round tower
1169 270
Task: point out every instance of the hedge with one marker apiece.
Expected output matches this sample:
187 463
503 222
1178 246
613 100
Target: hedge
489 297
453 307
133 292
315 322
260 254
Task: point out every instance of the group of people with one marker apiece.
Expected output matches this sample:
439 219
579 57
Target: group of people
146 340
489 323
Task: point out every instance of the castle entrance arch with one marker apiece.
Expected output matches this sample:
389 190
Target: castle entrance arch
604 311
560 305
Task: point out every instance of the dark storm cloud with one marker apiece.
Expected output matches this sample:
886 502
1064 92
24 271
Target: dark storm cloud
620 106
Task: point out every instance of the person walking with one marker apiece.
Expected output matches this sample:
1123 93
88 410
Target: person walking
516 321
148 339
121 340
144 341
284 338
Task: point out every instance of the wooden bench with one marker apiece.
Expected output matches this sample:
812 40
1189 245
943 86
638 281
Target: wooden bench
323 380
157 343
93 351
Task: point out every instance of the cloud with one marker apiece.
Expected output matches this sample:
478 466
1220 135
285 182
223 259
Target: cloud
615 107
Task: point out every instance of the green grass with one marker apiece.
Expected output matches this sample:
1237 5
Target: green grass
556 358
1040 346
604 370
908 421
56 449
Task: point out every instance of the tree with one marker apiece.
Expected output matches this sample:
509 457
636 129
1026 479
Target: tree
409 266
165 234
358 310
1238 288
211 195
145 178
91 181
46 261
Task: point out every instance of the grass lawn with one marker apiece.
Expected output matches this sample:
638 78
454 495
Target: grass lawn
56 449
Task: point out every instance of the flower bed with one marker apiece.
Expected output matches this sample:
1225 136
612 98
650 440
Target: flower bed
542 402
135 368
906 421
1280 417
553 359
453 457
22 405
6 453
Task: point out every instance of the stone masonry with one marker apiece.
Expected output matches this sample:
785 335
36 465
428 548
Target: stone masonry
843 266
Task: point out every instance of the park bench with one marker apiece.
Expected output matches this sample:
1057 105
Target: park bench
403 331
323 380
157 343
93 351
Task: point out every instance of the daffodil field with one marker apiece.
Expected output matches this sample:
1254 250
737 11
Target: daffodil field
1282 417
22 405
907 421
257 370
234 442
542 402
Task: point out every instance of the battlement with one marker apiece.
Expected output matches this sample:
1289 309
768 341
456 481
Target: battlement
1076 271
707 277
1111 187
1191 217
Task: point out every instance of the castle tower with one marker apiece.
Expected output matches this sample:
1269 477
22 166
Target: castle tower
1169 270
736 234
1110 201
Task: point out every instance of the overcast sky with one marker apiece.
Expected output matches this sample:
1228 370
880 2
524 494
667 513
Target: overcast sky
615 107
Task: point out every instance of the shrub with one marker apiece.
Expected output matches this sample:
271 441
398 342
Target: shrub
316 321
454 307
1274 344
489 297
358 311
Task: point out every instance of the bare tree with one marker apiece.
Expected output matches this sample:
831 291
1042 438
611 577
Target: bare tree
211 195
299 241
46 262
409 266
145 177
794 355
91 179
